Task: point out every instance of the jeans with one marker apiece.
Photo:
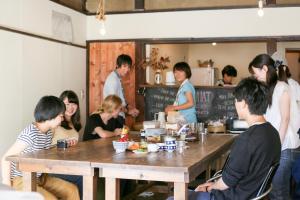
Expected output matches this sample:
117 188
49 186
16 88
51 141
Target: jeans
281 180
77 180
192 195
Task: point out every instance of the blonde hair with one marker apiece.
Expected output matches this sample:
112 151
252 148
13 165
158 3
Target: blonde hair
109 105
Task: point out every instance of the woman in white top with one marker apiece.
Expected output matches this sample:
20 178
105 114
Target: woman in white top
278 114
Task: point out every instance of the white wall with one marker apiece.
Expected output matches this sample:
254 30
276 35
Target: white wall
31 68
208 23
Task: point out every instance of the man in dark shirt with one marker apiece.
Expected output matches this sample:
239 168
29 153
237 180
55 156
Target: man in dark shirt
253 152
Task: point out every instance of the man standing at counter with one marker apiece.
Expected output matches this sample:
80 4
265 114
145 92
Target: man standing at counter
185 102
113 84
253 152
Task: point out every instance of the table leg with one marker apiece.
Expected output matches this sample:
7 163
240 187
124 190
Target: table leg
90 187
180 191
29 181
112 189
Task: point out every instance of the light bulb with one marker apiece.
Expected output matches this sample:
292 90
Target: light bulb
260 12
102 29
214 43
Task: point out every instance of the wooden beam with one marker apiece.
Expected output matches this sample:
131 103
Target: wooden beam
271 46
139 4
140 78
270 2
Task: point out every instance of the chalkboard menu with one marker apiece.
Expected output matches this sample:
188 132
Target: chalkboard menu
211 102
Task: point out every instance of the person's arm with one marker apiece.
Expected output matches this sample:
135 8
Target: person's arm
110 87
208 186
106 134
285 114
188 104
15 149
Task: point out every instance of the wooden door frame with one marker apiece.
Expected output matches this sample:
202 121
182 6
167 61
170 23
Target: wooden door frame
140 52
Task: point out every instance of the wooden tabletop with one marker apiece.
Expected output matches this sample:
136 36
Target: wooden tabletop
195 157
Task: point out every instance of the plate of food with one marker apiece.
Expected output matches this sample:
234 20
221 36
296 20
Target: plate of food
140 151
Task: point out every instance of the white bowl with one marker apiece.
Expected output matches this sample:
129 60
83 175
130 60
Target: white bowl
120 146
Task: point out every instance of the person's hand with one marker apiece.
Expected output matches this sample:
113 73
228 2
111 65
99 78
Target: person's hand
205 187
169 108
118 131
133 112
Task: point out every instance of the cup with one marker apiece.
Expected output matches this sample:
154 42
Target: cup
152 147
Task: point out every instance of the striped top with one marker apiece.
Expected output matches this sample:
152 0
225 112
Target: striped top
36 140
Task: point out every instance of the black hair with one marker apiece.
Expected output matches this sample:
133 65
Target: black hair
271 80
48 107
229 70
124 59
283 73
254 93
183 66
75 118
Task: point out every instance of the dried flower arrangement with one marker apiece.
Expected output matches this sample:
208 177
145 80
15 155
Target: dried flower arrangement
154 62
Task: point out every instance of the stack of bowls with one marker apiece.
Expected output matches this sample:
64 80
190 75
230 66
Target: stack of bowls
170 144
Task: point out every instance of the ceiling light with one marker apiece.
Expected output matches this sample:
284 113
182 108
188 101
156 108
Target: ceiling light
260 11
100 15
214 43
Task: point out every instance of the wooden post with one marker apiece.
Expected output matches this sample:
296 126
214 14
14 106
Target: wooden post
112 188
29 181
90 187
270 2
271 46
139 5
180 191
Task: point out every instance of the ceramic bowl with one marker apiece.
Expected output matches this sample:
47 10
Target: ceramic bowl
120 146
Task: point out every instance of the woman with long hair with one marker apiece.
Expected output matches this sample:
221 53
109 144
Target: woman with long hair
71 124
278 114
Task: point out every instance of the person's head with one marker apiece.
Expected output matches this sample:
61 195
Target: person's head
182 71
111 105
263 68
72 114
228 73
124 63
283 73
281 66
49 109
251 97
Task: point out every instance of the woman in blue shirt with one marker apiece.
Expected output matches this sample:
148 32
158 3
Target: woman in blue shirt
185 101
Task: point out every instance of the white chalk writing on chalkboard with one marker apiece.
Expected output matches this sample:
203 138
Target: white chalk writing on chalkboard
211 103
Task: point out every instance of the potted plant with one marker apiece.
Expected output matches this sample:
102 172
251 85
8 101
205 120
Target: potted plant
157 64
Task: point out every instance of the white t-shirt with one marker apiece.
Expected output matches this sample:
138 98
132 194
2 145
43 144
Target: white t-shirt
291 140
295 104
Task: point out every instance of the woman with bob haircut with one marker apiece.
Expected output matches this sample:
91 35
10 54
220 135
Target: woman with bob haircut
185 99
103 123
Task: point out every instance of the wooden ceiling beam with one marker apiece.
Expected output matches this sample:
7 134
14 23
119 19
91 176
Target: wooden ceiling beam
139 4
270 2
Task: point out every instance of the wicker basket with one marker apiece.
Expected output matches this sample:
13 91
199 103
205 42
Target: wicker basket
216 129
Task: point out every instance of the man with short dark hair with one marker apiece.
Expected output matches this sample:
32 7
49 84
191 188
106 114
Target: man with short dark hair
253 152
113 84
228 73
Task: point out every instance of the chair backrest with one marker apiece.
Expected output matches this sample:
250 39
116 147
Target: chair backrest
266 184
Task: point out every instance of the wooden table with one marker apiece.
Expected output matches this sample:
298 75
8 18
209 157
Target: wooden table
180 168
74 161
